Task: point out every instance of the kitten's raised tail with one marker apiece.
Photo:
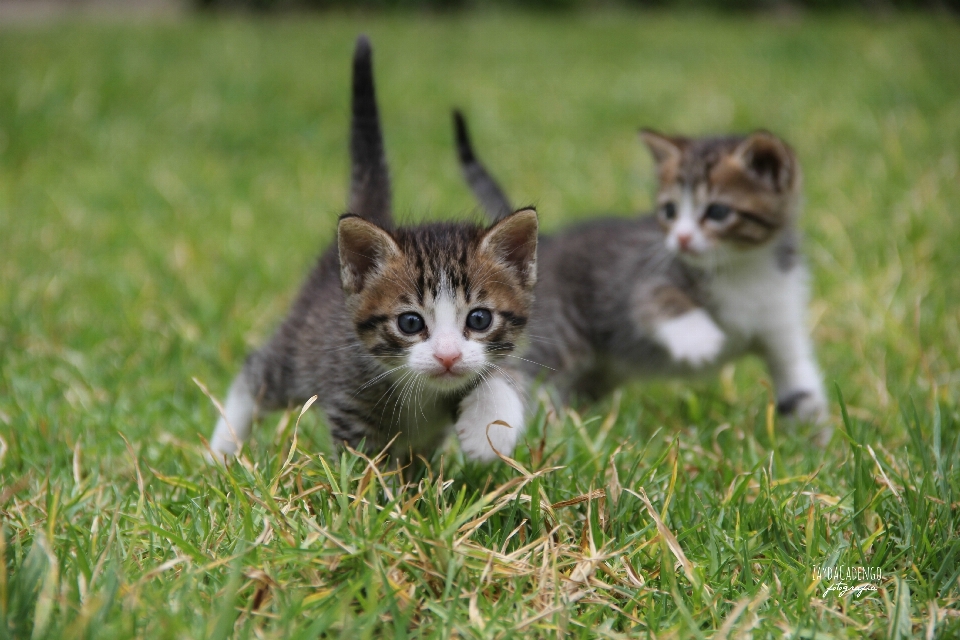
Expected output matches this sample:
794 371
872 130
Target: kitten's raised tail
369 176
492 199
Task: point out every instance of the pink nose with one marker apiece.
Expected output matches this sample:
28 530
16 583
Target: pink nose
684 240
447 358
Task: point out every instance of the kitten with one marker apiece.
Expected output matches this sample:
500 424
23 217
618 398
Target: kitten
400 333
713 275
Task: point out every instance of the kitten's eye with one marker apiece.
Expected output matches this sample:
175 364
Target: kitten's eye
410 323
668 210
479 319
717 212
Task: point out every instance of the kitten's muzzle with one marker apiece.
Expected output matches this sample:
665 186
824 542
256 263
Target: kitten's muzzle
450 374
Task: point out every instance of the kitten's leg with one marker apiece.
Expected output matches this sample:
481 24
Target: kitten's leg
233 427
790 358
671 317
691 337
264 384
497 399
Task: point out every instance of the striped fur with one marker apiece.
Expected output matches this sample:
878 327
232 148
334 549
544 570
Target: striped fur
485 188
620 298
403 334
370 194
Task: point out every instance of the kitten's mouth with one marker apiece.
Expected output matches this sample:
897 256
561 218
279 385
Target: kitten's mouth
449 381
448 375
689 251
691 255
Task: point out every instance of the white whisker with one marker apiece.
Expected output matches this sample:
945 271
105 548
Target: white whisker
539 364
379 377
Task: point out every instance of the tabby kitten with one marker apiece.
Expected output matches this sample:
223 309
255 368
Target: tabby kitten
713 275
400 333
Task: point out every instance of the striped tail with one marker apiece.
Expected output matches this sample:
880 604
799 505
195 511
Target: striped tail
369 176
492 199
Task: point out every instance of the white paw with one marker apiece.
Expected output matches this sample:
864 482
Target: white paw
809 407
693 338
491 420
804 406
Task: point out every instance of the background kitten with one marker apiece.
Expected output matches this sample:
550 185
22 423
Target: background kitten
403 332
713 275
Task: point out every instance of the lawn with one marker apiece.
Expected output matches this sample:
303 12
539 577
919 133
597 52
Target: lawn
165 187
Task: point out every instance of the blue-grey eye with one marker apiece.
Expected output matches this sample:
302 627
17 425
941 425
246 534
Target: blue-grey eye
717 212
479 319
668 210
410 323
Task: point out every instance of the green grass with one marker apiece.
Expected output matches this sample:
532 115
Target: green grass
164 188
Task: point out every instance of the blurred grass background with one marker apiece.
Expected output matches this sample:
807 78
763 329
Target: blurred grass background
165 186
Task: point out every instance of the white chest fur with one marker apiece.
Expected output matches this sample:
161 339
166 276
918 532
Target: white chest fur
758 301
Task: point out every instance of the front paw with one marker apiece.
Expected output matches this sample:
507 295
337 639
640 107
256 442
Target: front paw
803 406
692 338
481 440
807 407
491 421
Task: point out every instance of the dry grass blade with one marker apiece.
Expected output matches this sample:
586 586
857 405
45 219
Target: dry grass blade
160 569
636 580
49 585
745 603
293 444
136 466
264 583
883 474
373 466
592 495
526 622
473 612
510 461
671 540
500 500
296 428
614 488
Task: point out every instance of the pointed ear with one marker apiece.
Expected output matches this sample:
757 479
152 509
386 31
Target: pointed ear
663 148
364 249
768 159
513 240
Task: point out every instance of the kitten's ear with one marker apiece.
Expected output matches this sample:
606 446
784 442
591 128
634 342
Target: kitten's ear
768 159
663 148
364 249
513 240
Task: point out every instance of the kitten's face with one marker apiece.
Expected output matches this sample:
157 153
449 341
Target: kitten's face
719 197
444 301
